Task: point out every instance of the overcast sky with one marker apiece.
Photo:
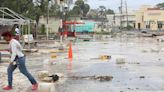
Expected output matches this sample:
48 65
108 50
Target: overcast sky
114 4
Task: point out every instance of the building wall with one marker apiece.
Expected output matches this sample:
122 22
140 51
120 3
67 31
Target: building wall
149 18
154 18
114 19
53 23
131 20
139 24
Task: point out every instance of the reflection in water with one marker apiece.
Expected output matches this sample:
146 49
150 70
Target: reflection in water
46 87
69 66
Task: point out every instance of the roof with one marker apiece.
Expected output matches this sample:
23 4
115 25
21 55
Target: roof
9 17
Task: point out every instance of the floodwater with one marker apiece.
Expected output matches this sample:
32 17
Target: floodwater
141 70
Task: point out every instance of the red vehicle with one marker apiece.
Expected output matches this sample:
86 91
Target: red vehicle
67 28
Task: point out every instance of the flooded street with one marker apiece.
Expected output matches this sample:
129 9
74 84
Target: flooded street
136 65
82 46
142 71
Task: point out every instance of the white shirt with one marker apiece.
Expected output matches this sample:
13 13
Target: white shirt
17 31
15 49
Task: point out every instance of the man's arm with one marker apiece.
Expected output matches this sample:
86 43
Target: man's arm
13 51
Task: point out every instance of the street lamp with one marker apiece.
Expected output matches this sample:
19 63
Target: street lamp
63 9
47 32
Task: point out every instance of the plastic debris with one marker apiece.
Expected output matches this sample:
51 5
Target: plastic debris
100 78
120 61
144 51
154 50
142 77
53 56
105 57
43 74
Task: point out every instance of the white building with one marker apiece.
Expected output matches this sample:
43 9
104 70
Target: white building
123 20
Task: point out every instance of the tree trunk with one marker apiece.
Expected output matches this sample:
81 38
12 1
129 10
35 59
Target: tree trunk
37 26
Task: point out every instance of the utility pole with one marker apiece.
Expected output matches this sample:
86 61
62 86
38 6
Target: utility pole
47 32
121 14
121 6
61 21
127 19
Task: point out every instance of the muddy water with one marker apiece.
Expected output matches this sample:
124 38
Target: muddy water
142 70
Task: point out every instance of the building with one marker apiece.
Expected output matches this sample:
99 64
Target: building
53 23
151 18
122 20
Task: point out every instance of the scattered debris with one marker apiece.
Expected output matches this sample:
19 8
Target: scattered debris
159 59
45 76
46 61
4 56
104 78
142 77
47 79
100 78
61 47
120 61
53 51
44 51
145 51
155 50
54 77
42 74
86 40
160 38
105 57
133 63
30 50
53 56
105 43
35 54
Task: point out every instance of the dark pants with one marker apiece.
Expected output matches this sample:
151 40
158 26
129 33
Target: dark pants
20 63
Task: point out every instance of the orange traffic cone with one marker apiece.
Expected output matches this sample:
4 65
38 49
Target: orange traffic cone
70 56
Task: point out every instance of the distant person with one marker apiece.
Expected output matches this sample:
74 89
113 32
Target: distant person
17 33
17 60
60 30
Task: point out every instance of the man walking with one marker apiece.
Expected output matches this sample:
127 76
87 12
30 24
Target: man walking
17 60
17 33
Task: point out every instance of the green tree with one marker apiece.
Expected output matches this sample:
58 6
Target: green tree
80 8
54 10
75 11
109 11
86 10
160 5
93 13
102 11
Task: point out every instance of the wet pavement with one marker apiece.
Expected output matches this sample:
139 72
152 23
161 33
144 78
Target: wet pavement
136 65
